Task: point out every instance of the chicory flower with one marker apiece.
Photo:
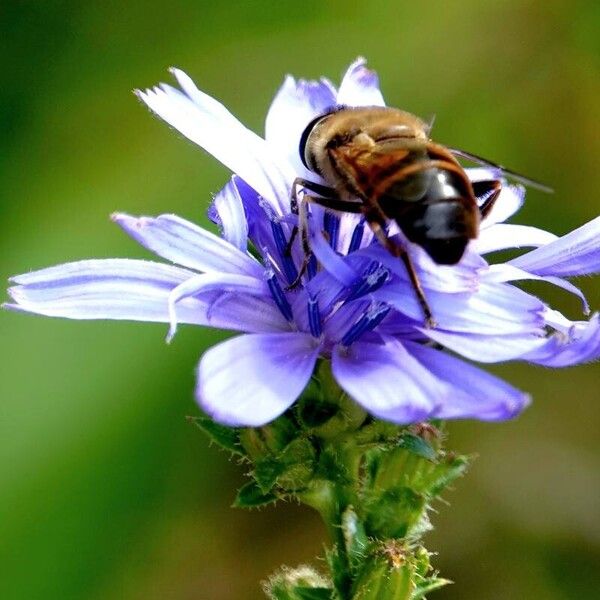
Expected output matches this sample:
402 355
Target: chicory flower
354 306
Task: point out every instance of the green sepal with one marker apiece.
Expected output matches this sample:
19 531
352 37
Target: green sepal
301 583
298 461
304 593
226 437
417 445
355 538
324 409
266 473
269 440
394 512
386 575
429 585
377 433
332 466
251 496
339 574
434 480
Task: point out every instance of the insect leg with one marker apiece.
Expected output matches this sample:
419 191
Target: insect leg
492 189
299 182
377 224
328 203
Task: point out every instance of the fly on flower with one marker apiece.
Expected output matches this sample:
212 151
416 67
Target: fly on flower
355 305
380 162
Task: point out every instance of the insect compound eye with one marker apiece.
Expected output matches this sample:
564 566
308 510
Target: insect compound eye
308 130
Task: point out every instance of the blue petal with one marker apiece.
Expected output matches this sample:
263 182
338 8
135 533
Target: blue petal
486 348
507 272
294 106
229 209
576 253
250 380
495 309
209 124
473 393
213 282
579 345
360 86
503 236
387 381
184 243
136 290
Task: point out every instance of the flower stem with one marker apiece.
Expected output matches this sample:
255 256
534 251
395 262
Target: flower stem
371 481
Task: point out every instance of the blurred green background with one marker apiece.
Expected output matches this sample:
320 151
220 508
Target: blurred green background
105 491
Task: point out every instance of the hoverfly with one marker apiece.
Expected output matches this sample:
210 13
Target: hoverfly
380 162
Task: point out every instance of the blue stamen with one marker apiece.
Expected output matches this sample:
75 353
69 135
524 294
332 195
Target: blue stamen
279 297
311 269
357 235
314 317
331 224
372 317
289 268
374 277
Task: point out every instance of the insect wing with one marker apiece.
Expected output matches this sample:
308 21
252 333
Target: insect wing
508 172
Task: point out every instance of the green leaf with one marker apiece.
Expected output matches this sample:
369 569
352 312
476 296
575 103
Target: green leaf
251 496
226 437
417 445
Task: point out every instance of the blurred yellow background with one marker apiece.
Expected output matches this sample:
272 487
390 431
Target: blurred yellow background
106 492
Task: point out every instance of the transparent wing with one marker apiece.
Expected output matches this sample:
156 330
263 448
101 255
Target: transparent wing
510 173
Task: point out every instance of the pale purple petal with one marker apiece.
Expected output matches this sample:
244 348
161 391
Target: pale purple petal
505 273
387 381
580 344
576 253
503 236
473 392
486 348
209 124
229 209
295 105
136 290
360 86
498 309
184 243
252 379
213 282
330 260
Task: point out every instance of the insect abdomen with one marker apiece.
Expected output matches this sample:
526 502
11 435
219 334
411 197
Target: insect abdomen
442 220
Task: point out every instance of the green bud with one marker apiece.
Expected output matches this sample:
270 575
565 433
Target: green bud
388 574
